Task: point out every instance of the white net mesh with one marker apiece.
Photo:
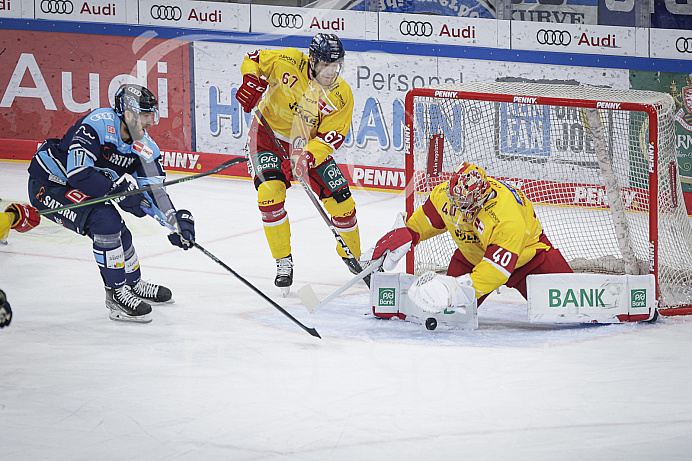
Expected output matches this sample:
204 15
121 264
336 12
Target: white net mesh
582 159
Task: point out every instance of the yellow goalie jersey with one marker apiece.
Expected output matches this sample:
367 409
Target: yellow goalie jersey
503 236
296 106
5 224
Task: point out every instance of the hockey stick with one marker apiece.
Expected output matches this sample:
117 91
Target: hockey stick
167 225
150 187
309 298
353 262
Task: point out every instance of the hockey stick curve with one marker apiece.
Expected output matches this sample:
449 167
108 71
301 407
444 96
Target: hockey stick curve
352 259
150 187
167 225
309 298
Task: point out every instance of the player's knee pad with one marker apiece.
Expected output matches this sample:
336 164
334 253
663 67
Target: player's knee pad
271 196
271 193
336 209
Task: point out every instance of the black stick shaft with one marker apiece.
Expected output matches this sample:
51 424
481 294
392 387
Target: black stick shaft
148 188
169 226
312 331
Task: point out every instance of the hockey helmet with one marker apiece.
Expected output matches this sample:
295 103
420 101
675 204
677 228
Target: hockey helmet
468 190
137 99
326 48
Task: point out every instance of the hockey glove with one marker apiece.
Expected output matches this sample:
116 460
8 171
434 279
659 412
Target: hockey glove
395 244
131 203
23 217
250 92
183 221
302 161
5 311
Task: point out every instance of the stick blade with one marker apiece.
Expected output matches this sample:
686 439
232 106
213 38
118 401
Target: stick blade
308 297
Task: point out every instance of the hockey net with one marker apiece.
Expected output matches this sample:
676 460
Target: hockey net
599 164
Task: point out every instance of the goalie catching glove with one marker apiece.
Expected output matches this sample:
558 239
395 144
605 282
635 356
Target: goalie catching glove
23 218
395 244
184 223
436 293
250 92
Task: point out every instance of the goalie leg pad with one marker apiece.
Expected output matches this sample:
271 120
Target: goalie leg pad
389 296
591 298
435 293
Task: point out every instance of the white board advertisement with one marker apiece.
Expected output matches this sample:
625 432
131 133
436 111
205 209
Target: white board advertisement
439 30
347 24
109 11
195 15
379 82
671 44
574 38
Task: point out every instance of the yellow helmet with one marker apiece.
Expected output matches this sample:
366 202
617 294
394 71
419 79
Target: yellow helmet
468 190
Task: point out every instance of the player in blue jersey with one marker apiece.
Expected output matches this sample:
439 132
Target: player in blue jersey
107 152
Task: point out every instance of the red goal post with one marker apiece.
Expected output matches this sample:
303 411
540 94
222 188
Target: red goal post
599 164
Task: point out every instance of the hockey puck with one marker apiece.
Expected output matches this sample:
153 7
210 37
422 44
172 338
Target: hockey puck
431 323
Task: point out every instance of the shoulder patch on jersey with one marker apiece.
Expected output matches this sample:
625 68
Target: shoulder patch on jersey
478 224
143 150
325 107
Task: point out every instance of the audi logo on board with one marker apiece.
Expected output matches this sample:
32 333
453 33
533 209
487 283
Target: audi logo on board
166 12
684 44
553 37
416 28
287 21
57 6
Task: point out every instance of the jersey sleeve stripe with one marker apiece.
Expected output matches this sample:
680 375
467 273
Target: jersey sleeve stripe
433 215
499 268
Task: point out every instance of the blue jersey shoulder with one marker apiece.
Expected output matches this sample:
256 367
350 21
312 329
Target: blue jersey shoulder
106 123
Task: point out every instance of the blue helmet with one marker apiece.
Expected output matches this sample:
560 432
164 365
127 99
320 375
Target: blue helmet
327 48
135 98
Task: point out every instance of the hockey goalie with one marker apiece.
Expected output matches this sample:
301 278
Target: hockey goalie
500 241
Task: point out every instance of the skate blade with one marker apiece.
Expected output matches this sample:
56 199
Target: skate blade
120 316
285 291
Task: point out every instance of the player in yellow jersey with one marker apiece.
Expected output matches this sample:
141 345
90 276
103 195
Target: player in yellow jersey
21 218
308 107
500 241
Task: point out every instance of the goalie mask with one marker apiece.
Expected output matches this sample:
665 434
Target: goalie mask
468 190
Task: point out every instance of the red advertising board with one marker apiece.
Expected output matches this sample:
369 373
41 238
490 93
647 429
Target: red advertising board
49 80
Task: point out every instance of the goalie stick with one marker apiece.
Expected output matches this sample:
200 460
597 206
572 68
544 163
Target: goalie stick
353 261
150 187
309 298
167 225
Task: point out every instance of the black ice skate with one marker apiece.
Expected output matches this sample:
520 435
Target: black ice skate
125 306
356 267
284 274
151 292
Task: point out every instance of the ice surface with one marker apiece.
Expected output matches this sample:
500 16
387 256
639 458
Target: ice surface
221 374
